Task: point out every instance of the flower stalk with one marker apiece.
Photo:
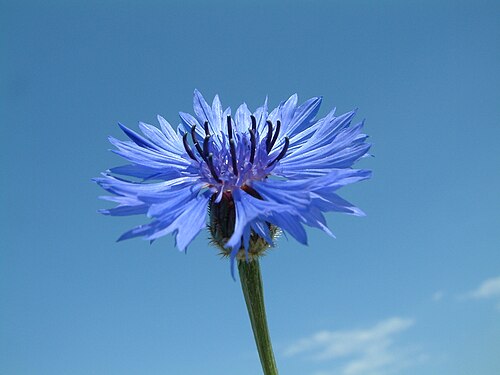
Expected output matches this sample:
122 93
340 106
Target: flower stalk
251 283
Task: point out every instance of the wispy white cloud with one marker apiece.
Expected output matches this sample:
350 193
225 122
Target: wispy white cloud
369 351
488 289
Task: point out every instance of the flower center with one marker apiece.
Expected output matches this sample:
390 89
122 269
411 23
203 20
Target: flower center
233 159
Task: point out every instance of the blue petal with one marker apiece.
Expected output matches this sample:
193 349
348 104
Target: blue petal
171 136
203 111
126 206
125 210
141 230
122 187
168 201
161 140
146 173
332 145
332 202
136 138
242 118
303 115
149 157
250 209
284 192
297 140
338 178
309 197
218 120
188 121
287 111
322 149
314 218
289 223
188 224
261 115
262 230
245 213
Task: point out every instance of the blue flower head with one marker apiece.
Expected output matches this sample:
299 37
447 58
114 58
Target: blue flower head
253 174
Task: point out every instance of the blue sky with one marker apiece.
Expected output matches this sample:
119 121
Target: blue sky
413 288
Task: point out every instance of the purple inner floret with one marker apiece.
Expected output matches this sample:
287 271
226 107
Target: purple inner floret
282 167
227 161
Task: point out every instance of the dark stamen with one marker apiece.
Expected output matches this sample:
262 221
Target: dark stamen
229 128
205 146
276 133
207 131
210 163
193 133
187 148
269 135
254 123
282 153
195 142
252 145
232 149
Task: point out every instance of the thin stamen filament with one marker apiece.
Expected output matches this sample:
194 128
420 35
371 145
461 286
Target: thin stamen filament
187 148
232 149
276 134
210 163
195 141
269 135
205 146
229 128
254 123
282 153
253 145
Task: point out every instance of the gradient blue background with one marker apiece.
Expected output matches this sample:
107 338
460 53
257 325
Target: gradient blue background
425 75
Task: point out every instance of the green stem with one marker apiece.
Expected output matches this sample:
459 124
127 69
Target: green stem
251 283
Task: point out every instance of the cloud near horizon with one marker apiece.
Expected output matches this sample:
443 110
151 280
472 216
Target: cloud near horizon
367 351
489 288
